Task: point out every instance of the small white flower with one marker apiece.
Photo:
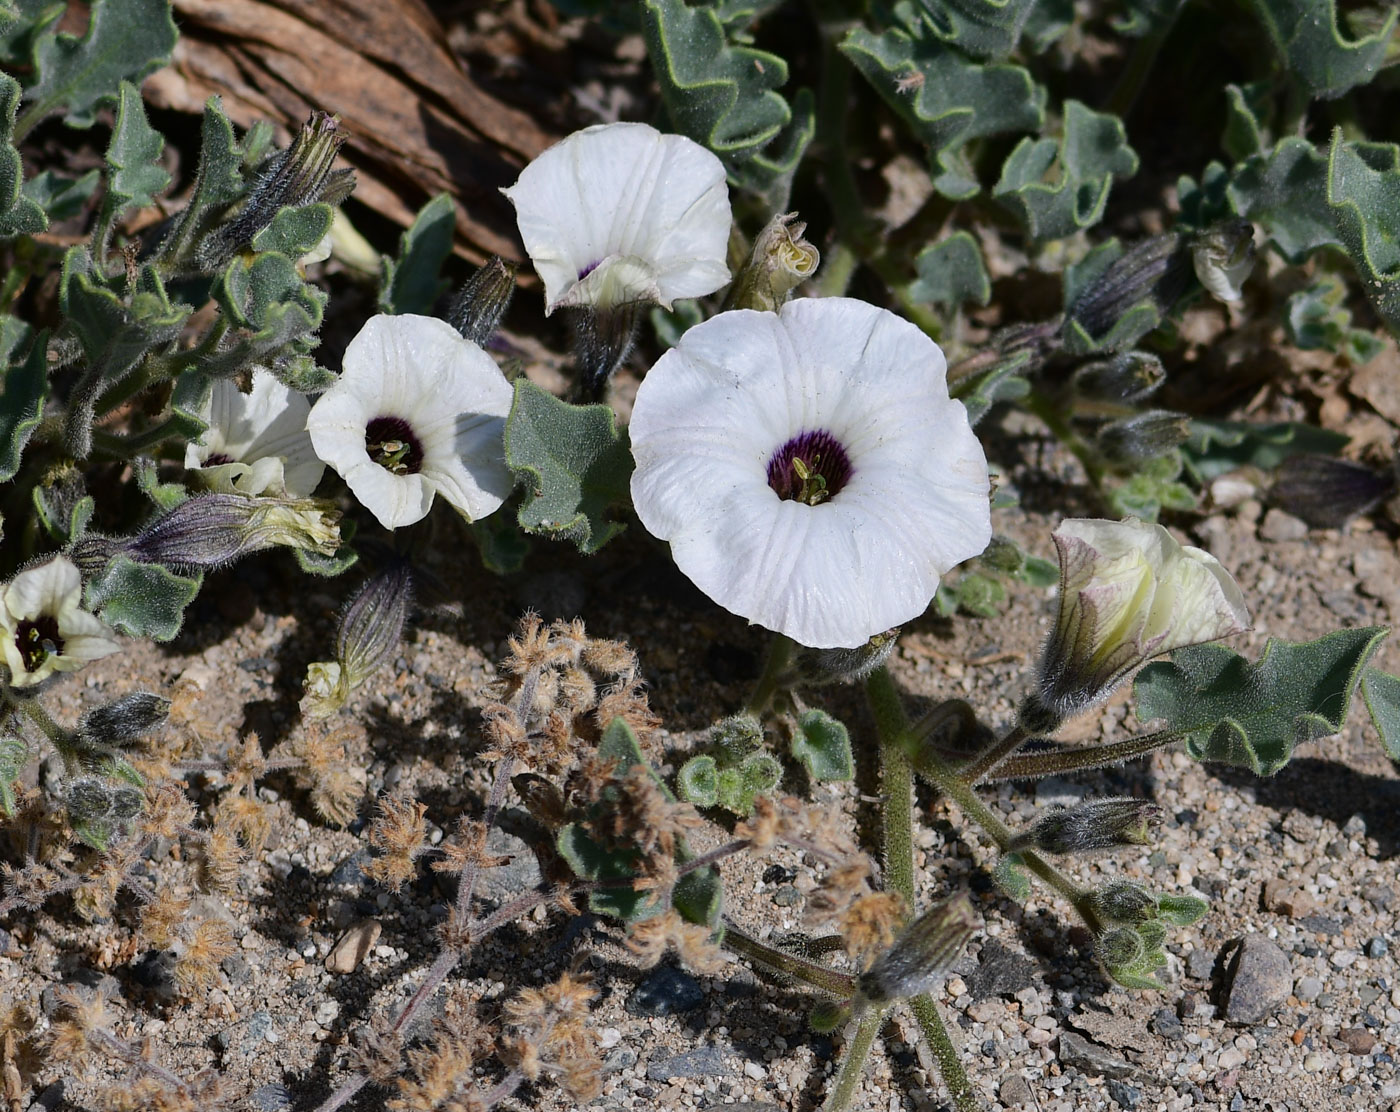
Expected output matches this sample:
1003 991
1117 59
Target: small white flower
256 443
417 411
44 627
620 213
1223 258
809 469
1128 592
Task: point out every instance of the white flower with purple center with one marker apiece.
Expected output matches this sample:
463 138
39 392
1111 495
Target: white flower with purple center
43 626
620 213
418 411
809 469
256 443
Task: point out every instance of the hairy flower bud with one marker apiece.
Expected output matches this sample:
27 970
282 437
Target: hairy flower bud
819 667
602 339
1122 901
1127 377
1223 256
122 721
1327 492
737 736
781 260
1155 272
370 628
1142 437
927 947
483 300
1119 947
1097 824
210 530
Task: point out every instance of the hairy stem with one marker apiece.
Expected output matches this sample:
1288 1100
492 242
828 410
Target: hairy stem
774 664
982 765
1031 766
853 1065
941 1043
812 973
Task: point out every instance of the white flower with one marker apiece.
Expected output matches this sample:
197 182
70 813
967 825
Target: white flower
44 627
1128 592
1223 257
418 411
621 213
256 443
809 469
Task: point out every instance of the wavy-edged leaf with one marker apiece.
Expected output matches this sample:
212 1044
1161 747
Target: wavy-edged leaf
116 331
1256 714
1307 36
1244 134
22 395
1059 187
273 313
411 283
698 781
823 745
982 28
133 156
295 231
125 41
946 98
951 271
1216 447
19 215
144 600
574 462
1285 193
20 37
1000 382
1381 693
1363 194
62 198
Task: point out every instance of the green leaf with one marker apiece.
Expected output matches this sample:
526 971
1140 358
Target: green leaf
946 99
951 272
1317 318
165 496
217 185
1363 193
1216 447
19 37
136 177
1255 715
619 744
1181 911
1152 489
500 543
274 314
574 463
19 215
143 600
590 861
14 755
410 283
1245 106
823 745
1307 37
62 198
1059 187
114 331
1011 878
1381 693
982 28
25 389
63 518
699 897
722 95
125 41
697 781
295 231
1285 193
980 392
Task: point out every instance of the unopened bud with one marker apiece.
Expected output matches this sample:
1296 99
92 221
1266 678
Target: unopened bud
1327 492
1119 947
371 626
737 737
1142 437
1097 824
123 721
780 261
483 300
602 339
928 946
1122 901
1223 256
300 175
1127 377
1155 272
211 530
819 667
98 809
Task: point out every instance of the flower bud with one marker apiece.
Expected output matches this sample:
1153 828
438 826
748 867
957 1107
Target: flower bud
123 721
602 339
1155 272
780 261
927 947
300 175
483 300
1142 437
737 736
1097 824
1223 256
210 530
370 628
1327 492
99 809
819 667
1126 378
1128 592
1119 947
1124 902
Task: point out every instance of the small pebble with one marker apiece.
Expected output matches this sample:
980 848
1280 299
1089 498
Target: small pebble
1257 980
1377 947
609 1037
1308 989
354 946
754 1072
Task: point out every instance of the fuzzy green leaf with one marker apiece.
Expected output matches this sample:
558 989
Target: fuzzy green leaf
1381 692
19 215
1307 37
1256 714
1285 193
1244 134
1181 911
697 782
116 331
64 521
14 755
125 41
133 155
1154 487
982 28
1011 878
952 272
736 788
1216 447
274 314
945 98
980 392
143 600
410 283
1317 318
574 463
501 544
295 231
823 745
590 861
22 395
20 37
699 897
62 198
1059 187
1363 193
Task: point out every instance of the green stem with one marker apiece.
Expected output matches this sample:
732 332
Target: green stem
982 765
774 665
126 447
1079 897
1032 766
838 265
39 716
819 976
853 1065
1055 421
949 1063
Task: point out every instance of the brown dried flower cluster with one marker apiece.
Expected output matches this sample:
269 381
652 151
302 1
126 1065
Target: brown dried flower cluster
549 1035
694 944
398 835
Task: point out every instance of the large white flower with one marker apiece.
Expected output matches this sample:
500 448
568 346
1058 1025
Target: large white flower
809 469
256 443
620 213
44 627
417 411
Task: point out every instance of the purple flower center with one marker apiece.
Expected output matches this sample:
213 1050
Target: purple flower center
216 459
391 444
589 269
38 639
811 467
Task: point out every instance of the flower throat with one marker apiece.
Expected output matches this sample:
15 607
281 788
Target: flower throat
812 467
